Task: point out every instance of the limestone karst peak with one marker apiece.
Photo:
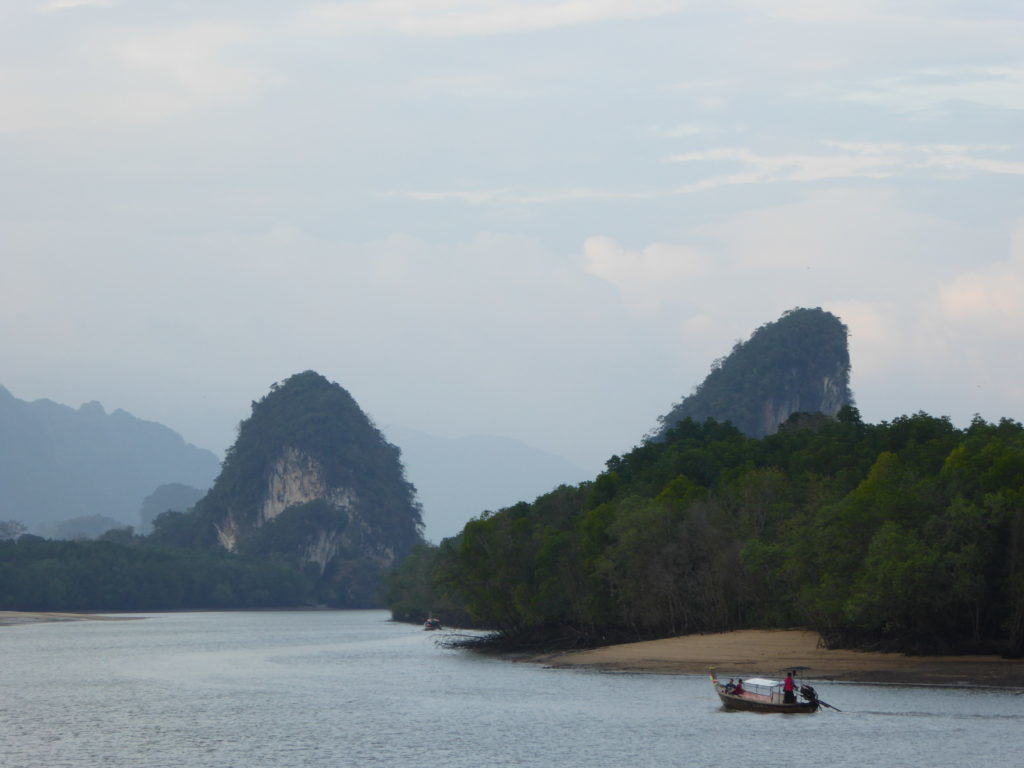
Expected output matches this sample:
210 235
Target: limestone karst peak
311 478
799 363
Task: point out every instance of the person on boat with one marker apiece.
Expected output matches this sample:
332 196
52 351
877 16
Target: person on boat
788 686
730 686
738 690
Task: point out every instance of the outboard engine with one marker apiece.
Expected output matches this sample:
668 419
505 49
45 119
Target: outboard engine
808 692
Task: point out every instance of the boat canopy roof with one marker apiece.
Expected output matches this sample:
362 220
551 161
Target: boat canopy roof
762 681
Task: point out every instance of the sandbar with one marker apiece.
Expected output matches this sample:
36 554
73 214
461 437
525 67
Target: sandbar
748 653
8 618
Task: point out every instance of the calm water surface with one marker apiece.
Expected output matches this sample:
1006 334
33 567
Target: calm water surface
349 688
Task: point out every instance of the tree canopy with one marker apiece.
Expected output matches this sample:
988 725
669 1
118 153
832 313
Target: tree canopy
905 535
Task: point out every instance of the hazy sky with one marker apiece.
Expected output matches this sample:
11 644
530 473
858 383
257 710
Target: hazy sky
535 219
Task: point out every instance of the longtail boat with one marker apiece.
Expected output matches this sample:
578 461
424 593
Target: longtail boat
761 694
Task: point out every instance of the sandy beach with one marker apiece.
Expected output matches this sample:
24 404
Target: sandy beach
765 652
8 618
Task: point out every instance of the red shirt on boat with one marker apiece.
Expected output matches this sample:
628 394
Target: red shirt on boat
787 685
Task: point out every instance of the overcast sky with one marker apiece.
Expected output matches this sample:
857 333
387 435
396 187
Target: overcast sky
542 220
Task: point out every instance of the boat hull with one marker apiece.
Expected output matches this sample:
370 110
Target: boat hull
743 704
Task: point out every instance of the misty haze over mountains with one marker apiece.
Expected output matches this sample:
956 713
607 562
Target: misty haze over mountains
68 472
59 463
459 477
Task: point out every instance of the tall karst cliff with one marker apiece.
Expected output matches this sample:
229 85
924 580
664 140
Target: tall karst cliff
798 364
310 478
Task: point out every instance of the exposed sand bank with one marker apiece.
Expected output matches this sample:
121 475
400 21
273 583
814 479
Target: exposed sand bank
8 618
765 652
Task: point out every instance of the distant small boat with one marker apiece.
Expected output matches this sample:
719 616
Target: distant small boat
432 623
760 694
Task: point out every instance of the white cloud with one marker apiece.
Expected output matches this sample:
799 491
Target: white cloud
837 243
933 87
795 167
124 76
877 329
521 196
442 18
854 160
191 64
679 131
699 325
645 278
990 298
816 11
912 13
956 161
64 5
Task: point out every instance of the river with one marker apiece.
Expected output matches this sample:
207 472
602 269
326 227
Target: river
349 688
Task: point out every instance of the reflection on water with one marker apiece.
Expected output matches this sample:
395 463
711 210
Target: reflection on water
347 688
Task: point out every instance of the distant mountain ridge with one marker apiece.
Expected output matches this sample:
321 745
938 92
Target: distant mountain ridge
58 462
456 478
799 363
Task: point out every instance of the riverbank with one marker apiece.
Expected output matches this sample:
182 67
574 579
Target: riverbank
748 653
9 618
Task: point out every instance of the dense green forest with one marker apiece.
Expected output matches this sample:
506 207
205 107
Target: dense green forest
125 573
905 535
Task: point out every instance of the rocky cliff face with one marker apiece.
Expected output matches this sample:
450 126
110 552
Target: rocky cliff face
798 364
310 478
296 478
827 396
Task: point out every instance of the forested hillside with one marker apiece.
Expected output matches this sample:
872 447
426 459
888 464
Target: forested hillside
798 364
125 573
905 535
